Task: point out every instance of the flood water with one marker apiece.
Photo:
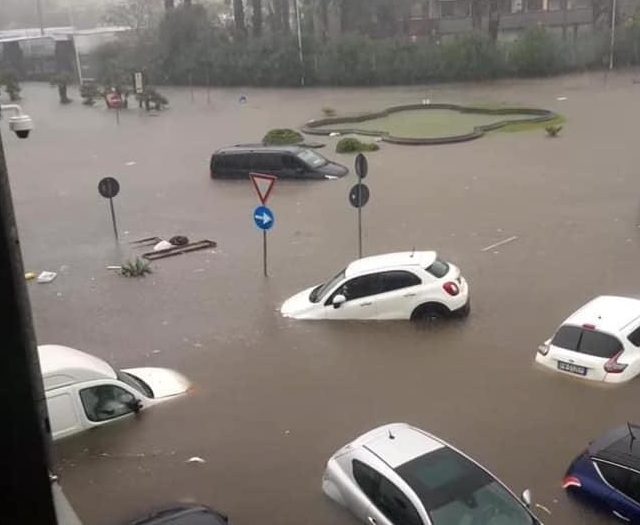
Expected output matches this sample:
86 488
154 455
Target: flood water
273 397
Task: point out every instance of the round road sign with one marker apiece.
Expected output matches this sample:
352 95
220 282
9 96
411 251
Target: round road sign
359 195
362 166
109 187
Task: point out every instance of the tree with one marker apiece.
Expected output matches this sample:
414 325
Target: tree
238 18
256 17
138 14
61 81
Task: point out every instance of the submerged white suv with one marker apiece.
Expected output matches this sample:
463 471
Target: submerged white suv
601 341
404 285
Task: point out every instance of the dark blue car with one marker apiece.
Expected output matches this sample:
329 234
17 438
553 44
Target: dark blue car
607 474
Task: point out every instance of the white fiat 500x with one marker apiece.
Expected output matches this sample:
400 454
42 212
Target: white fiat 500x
601 341
405 285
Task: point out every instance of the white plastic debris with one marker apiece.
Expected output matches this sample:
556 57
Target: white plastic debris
130 163
334 134
330 177
162 245
196 459
561 98
114 267
46 277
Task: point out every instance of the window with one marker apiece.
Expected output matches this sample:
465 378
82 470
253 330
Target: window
395 505
599 344
105 402
396 280
311 158
290 162
622 479
367 478
135 382
534 5
266 161
634 337
567 337
438 269
455 490
358 287
385 495
447 9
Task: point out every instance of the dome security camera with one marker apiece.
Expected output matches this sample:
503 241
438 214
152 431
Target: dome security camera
21 125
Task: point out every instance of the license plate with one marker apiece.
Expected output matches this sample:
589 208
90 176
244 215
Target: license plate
573 369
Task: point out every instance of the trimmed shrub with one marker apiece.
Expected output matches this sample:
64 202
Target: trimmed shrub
136 268
282 137
353 145
553 130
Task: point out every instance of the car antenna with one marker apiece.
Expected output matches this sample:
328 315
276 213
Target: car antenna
633 436
413 251
391 436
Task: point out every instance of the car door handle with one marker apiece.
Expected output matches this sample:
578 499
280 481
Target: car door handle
618 515
366 304
409 295
371 520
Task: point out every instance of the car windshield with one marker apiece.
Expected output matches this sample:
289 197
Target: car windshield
455 490
320 291
135 382
311 158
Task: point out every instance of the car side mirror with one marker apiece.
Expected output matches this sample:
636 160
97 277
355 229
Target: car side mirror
526 498
135 405
338 300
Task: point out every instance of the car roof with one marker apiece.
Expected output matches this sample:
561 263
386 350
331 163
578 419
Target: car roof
620 445
252 148
398 443
183 515
61 366
607 313
389 260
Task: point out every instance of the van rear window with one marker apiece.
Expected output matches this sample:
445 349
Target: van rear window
589 342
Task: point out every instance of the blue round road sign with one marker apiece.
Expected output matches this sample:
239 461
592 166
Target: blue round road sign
263 217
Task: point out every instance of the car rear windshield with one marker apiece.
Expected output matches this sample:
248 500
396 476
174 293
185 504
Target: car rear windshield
455 490
585 341
311 158
439 268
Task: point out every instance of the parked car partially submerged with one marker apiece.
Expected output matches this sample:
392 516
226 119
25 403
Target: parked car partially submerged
400 475
83 391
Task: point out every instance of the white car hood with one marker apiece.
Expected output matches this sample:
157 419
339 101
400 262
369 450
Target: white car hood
298 306
163 381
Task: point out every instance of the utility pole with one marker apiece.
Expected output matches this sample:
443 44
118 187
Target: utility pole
613 33
301 54
40 19
25 461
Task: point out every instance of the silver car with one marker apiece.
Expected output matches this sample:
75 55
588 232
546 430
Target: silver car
400 475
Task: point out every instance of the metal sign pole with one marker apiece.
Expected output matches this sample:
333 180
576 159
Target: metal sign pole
113 218
264 252
360 218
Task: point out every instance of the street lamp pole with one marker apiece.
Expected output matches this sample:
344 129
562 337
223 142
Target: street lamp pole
40 19
24 458
613 33
301 54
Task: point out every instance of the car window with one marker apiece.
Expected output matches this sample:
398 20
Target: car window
455 490
634 337
105 402
311 158
438 269
395 280
291 162
619 478
598 344
395 505
567 337
367 478
320 291
359 287
266 161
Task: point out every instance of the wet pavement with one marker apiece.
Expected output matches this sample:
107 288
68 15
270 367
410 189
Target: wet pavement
275 397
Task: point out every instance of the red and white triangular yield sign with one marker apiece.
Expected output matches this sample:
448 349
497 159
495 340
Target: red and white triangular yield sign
263 185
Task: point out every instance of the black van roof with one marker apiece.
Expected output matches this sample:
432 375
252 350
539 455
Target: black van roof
251 148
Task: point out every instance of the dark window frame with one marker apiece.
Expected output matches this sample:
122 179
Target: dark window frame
622 486
634 337
92 416
339 289
416 280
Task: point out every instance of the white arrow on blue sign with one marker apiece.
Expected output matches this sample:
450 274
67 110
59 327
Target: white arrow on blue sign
263 217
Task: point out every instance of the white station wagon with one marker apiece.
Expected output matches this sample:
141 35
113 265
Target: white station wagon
405 285
601 341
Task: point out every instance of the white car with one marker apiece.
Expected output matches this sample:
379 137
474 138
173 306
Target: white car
405 285
85 392
601 341
400 475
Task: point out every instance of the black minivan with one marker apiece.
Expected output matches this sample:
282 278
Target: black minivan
281 161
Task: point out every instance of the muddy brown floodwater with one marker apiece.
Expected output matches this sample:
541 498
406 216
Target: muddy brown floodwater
274 398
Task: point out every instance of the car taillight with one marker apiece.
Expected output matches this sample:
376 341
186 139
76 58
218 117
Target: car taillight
451 288
612 366
571 482
543 349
